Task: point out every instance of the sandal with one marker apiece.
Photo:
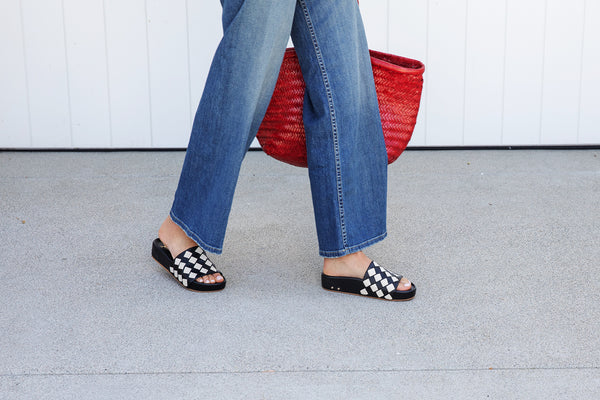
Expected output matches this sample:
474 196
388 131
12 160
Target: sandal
377 282
187 267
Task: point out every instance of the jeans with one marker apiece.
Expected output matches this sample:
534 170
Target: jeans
347 160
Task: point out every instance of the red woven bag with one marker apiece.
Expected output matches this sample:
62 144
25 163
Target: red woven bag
398 81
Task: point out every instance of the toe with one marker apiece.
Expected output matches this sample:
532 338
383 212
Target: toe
404 285
210 279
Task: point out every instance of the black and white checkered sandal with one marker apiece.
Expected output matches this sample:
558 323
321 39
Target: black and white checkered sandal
377 282
188 266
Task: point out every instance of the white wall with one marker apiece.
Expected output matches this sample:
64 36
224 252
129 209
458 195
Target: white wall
129 73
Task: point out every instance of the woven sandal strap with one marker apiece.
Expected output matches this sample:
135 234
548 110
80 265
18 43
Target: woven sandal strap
379 282
192 264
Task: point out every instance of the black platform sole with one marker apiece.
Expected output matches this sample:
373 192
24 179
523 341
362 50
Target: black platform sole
354 286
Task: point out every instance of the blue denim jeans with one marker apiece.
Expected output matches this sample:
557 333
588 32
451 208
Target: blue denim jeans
347 161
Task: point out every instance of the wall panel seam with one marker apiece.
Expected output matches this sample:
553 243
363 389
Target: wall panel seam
387 26
189 60
503 106
28 94
151 124
68 80
425 91
108 91
544 50
465 59
581 69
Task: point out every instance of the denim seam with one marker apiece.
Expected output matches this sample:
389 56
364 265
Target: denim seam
353 249
334 129
205 246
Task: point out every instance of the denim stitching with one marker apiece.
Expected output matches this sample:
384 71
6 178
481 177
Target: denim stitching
338 169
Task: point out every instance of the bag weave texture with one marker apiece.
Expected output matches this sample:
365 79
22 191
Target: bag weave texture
398 82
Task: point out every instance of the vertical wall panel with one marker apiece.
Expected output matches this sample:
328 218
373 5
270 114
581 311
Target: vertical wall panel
408 37
88 82
589 125
524 68
375 19
446 72
46 67
562 71
205 31
169 72
408 29
14 111
129 92
484 79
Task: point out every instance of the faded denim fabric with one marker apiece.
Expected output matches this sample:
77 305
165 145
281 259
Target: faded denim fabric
347 160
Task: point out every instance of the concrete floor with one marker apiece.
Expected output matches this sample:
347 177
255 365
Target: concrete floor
503 246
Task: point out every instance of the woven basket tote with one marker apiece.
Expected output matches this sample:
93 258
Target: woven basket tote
398 81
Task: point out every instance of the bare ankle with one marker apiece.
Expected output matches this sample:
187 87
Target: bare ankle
173 237
351 264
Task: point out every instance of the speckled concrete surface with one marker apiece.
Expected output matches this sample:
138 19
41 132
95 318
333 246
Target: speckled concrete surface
503 246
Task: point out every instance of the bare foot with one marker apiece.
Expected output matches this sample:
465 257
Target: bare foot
355 265
177 241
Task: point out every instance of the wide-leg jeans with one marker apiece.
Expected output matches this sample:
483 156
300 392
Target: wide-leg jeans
347 161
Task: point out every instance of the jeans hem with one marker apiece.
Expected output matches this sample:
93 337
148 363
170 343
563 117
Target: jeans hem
352 249
192 235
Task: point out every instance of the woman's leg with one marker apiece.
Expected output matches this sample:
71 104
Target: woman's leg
236 95
346 152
